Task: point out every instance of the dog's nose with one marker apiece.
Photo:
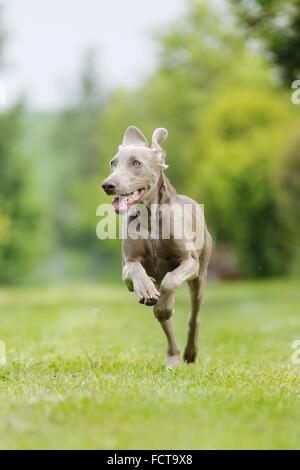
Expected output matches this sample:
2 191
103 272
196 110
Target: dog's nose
108 188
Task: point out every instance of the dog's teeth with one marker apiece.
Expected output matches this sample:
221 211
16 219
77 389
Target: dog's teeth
126 200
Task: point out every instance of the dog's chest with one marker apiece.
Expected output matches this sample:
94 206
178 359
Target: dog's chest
159 258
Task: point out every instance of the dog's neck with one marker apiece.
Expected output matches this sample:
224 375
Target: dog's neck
162 193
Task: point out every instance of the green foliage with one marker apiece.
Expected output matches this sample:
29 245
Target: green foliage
20 227
276 24
242 143
20 237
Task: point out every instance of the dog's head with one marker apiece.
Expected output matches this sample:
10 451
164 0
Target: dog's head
135 169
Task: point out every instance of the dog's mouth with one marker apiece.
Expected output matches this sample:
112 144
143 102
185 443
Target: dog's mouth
123 202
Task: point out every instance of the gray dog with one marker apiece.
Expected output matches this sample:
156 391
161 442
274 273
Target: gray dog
153 267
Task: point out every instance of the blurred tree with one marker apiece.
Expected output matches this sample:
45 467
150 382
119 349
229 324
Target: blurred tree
20 217
288 179
243 141
76 175
276 24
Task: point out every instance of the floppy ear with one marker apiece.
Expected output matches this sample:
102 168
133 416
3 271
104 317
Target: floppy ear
159 135
133 136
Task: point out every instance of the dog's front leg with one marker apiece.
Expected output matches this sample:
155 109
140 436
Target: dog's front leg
136 279
186 271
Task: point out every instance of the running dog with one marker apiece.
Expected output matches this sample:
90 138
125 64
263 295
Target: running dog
153 267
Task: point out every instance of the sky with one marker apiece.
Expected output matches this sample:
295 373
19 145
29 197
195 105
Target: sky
47 39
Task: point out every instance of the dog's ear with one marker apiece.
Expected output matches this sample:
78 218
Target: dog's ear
159 135
133 136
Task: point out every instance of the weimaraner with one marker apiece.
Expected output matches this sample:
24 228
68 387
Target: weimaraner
153 267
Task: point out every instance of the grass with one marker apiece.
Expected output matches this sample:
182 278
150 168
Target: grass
85 370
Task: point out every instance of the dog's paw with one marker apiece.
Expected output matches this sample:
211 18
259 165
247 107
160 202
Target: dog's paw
190 355
147 293
173 361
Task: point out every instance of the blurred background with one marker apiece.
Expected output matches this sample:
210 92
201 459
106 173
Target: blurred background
216 74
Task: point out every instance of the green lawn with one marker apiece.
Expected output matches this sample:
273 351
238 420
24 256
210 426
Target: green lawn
85 369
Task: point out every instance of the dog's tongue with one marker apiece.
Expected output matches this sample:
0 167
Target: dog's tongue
121 204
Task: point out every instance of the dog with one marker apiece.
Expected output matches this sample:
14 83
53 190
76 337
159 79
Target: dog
154 267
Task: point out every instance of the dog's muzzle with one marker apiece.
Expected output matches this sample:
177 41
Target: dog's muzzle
109 188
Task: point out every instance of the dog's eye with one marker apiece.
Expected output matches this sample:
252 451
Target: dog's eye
136 163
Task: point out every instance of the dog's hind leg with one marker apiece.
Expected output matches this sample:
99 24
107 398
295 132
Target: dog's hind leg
196 287
173 352
196 293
